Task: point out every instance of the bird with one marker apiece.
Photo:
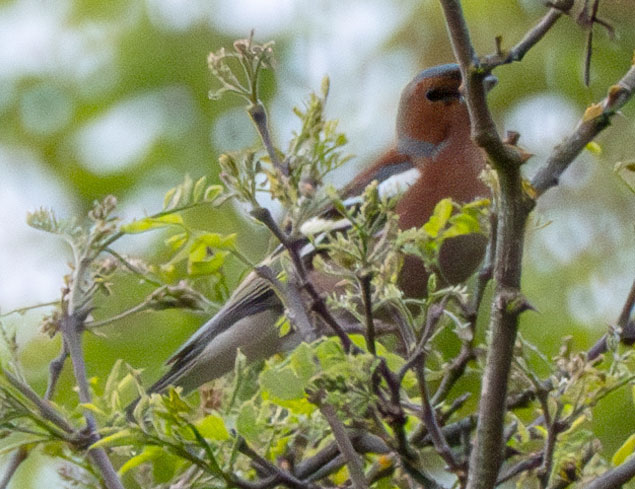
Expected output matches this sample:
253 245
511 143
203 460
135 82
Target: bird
433 158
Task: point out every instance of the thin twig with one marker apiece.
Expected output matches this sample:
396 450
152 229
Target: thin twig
623 323
72 326
530 39
551 422
11 467
530 463
353 461
395 414
596 118
452 432
365 285
24 310
454 372
291 298
616 477
329 459
47 411
55 370
283 477
434 430
417 362
544 472
258 115
264 216
308 467
435 312
131 268
122 315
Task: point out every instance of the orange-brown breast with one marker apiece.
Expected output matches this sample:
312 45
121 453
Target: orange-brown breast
453 174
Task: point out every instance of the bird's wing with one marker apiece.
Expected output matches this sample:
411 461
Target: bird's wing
253 296
395 173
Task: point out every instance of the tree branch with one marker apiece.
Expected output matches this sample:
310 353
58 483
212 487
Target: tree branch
627 334
484 130
355 467
16 459
595 119
276 474
365 286
44 407
264 216
530 463
508 302
258 115
615 478
535 35
72 326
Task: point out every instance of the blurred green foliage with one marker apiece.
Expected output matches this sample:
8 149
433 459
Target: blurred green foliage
46 110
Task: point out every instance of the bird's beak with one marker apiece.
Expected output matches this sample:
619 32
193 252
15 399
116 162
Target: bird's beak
489 82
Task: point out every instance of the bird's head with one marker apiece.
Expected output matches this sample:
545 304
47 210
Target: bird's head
432 109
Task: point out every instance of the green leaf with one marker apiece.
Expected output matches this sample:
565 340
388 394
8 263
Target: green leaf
594 148
126 389
282 384
176 240
213 427
624 451
148 223
217 241
206 266
118 439
169 195
303 362
174 402
541 431
93 408
523 432
199 189
283 326
18 439
148 454
301 407
247 422
330 353
462 224
438 220
113 378
212 192
164 468
186 193
203 246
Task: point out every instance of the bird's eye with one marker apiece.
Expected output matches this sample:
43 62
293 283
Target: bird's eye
441 94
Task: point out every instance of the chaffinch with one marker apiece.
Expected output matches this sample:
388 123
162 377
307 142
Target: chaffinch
434 158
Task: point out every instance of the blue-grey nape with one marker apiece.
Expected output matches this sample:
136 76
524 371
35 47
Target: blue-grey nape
451 69
417 148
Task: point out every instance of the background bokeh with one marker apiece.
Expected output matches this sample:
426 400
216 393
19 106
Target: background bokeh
102 98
